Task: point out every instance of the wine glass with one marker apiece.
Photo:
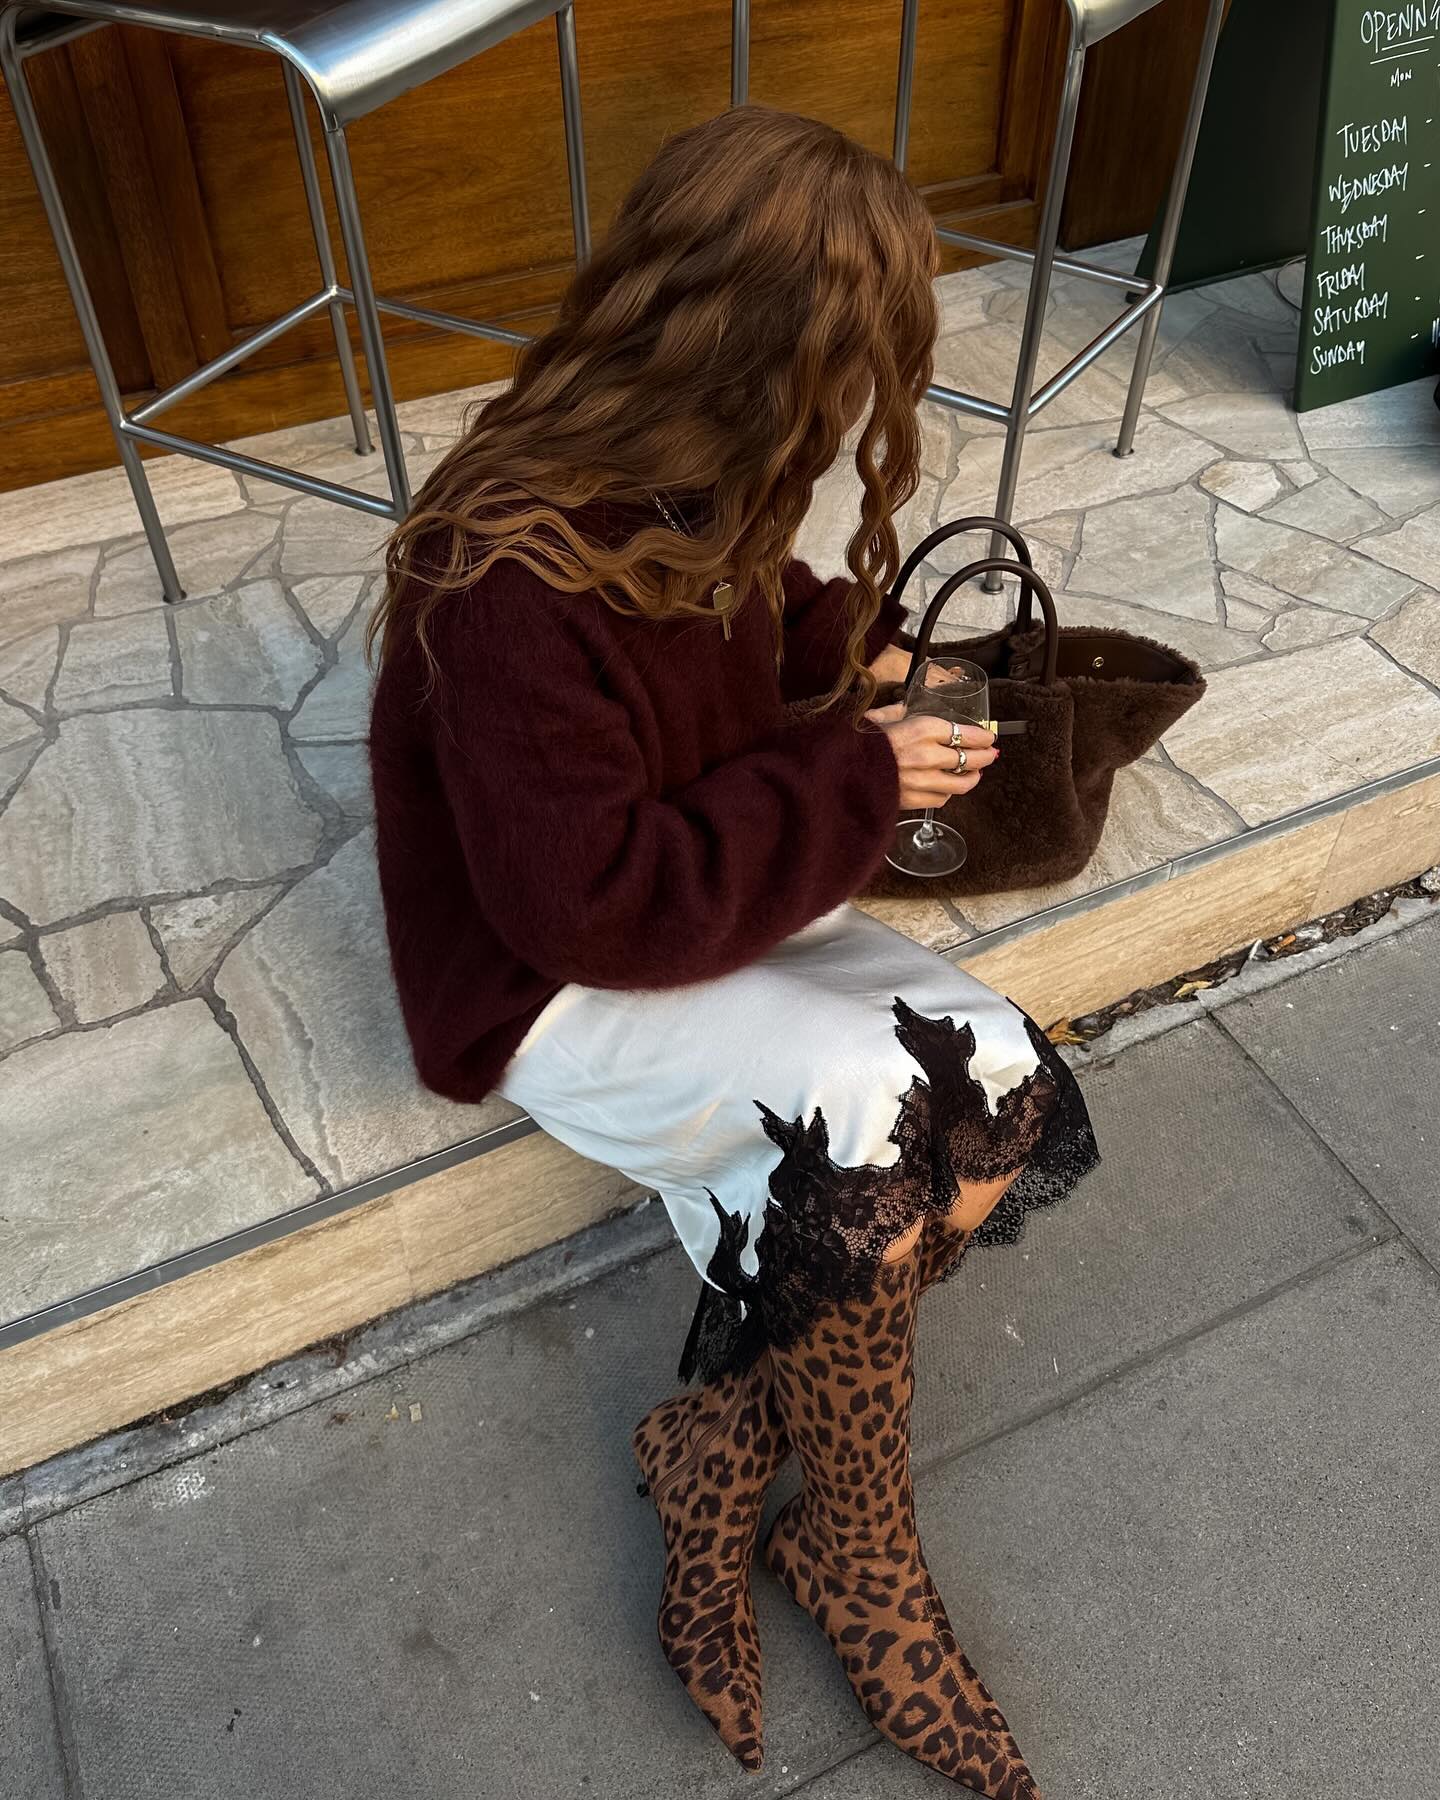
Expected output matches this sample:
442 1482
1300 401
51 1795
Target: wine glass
943 687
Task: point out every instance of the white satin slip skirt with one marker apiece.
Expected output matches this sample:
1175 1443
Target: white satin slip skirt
673 1087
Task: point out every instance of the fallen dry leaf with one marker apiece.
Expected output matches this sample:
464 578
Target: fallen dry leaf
1062 1033
1187 988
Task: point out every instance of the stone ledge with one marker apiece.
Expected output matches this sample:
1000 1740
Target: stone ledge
1059 963
212 1325
159 1347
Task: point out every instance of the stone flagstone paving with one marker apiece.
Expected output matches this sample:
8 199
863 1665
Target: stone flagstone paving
197 1030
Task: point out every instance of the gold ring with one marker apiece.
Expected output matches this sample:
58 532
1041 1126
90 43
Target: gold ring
954 734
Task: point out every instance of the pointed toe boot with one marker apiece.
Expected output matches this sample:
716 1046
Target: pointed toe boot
708 1456
848 1551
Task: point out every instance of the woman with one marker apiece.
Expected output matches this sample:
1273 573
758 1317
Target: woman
615 869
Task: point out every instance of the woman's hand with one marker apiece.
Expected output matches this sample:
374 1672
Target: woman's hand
927 764
892 664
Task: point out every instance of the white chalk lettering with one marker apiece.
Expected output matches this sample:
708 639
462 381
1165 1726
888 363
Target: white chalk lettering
1344 191
1364 183
1345 240
1330 282
1365 140
1380 27
1327 319
1332 355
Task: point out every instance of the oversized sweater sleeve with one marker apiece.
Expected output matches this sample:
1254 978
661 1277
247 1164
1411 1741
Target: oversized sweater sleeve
589 876
815 631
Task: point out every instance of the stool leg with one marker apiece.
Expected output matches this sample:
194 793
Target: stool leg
574 132
739 52
130 458
905 81
1170 227
367 315
1040 273
295 94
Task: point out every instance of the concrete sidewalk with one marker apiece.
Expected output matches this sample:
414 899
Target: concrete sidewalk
1179 1459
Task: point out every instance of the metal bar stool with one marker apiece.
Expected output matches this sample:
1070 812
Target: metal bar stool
353 55
1090 21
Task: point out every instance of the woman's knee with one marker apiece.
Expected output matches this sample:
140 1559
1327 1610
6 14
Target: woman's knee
902 1246
976 1200
974 1203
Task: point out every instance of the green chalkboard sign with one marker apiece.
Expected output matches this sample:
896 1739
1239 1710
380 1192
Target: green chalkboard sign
1371 315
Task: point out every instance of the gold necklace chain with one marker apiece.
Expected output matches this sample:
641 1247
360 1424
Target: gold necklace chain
722 590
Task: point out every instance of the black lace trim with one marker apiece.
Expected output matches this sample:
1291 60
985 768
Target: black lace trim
826 1228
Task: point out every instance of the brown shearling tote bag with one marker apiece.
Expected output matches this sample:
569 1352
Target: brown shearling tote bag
1092 700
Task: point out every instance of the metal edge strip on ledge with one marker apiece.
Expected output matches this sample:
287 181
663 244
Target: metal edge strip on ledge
252 1237
328 1206
1190 860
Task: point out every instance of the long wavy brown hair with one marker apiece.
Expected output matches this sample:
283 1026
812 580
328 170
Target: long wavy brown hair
766 285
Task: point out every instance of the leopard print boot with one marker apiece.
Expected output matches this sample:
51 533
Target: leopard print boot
943 1248
708 1457
848 1551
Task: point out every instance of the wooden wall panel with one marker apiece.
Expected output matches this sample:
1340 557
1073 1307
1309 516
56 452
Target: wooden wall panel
197 231
1132 114
238 128
847 75
39 335
180 204
112 112
464 179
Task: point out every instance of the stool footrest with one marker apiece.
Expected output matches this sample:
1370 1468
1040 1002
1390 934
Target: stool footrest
220 365
136 424
1149 294
967 403
424 315
382 505
1063 265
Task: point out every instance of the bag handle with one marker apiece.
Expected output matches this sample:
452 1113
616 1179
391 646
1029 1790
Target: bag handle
1029 581
942 533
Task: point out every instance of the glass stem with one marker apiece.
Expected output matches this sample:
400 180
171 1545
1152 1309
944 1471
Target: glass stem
925 834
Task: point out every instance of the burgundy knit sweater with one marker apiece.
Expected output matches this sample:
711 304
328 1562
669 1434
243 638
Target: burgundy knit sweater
583 797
